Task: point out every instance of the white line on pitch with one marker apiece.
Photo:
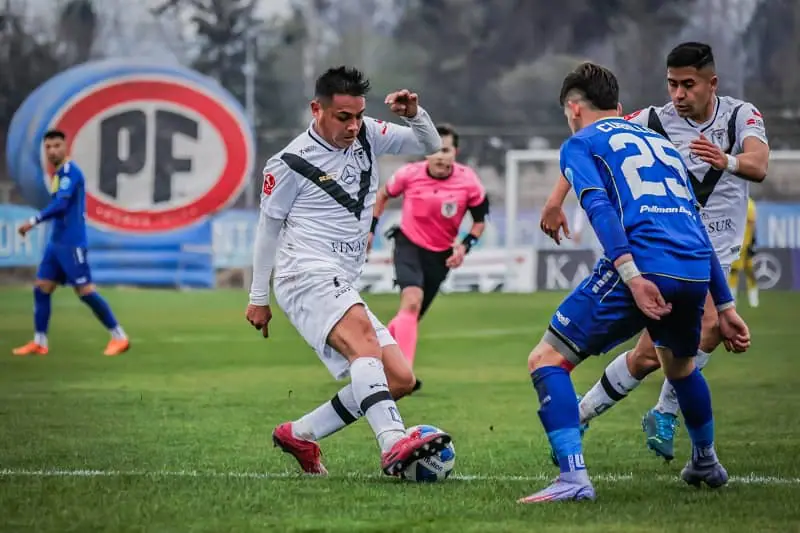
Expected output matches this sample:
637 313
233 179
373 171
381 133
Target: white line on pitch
748 479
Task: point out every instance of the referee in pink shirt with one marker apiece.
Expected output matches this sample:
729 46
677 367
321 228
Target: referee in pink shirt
437 193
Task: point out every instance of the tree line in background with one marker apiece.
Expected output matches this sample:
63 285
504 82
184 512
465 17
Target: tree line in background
492 68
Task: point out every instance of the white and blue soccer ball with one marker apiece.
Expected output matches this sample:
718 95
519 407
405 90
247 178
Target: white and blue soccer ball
434 468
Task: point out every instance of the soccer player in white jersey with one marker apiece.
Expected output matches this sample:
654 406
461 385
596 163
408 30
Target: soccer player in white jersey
724 144
316 210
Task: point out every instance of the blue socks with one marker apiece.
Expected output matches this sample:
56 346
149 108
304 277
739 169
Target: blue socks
101 309
694 398
558 412
41 311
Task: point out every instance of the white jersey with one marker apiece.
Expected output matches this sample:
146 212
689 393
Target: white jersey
325 194
722 195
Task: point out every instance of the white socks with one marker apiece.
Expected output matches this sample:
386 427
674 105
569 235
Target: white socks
371 393
342 410
40 339
118 333
668 400
615 384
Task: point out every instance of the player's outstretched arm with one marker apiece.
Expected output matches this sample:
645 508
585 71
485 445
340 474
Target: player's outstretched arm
57 206
419 137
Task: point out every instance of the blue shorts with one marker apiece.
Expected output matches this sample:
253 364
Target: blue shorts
600 314
65 265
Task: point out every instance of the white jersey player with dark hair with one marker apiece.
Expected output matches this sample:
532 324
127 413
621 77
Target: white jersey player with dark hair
316 210
724 144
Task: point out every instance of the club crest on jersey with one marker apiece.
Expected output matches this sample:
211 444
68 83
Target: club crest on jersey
349 175
362 160
449 209
269 183
717 136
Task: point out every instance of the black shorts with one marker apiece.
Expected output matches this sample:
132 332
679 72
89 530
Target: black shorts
414 266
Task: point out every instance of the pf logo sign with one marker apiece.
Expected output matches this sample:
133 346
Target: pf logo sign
161 147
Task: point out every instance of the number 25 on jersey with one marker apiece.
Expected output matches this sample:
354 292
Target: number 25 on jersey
643 176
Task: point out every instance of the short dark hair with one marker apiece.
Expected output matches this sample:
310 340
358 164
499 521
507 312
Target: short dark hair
595 84
54 134
341 80
447 129
691 54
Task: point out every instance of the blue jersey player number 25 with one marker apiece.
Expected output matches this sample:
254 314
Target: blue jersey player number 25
657 269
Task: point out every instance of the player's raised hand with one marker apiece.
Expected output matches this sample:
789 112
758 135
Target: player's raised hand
403 103
648 298
709 152
553 220
735 333
259 317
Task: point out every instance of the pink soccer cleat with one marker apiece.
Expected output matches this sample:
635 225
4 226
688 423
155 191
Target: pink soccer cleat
306 452
411 448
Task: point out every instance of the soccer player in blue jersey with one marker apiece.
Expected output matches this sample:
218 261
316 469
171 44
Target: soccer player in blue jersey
657 268
65 258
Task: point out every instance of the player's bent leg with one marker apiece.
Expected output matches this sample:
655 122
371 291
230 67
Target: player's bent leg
42 291
398 372
404 325
300 438
661 422
695 401
355 338
619 379
558 413
119 342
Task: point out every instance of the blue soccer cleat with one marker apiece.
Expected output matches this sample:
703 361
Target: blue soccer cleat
714 475
562 491
583 428
660 429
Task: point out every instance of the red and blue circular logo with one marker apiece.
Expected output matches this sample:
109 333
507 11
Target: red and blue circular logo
160 147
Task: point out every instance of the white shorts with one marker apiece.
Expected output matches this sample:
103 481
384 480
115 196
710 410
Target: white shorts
314 304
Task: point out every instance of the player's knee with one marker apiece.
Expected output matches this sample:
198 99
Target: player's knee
85 290
546 355
710 335
642 361
677 367
411 300
401 383
45 285
354 335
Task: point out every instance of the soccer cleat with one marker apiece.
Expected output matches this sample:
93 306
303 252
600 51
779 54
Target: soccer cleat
32 348
411 448
306 452
561 491
660 429
417 385
117 347
582 427
714 475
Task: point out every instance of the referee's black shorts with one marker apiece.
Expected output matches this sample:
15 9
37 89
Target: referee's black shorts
415 266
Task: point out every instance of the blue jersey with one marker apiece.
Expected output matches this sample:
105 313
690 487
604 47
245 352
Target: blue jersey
645 180
68 193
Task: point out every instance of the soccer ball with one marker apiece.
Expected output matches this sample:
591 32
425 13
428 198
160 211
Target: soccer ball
434 468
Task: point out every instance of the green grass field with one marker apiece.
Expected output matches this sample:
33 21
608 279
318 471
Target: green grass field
174 436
